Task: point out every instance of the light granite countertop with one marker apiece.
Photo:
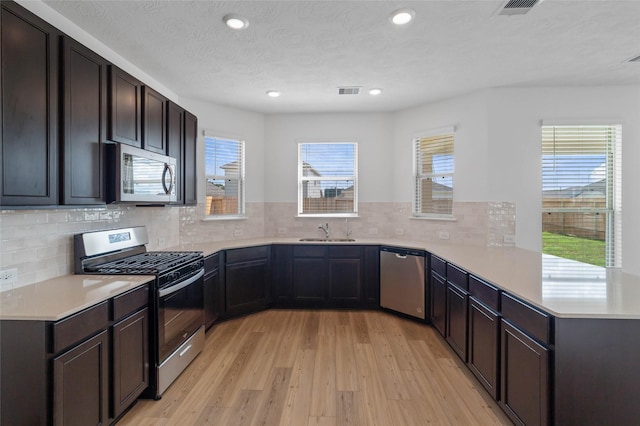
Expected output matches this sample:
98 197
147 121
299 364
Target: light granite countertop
561 287
54 299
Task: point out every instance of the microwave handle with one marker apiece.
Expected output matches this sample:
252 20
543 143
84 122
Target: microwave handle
164 180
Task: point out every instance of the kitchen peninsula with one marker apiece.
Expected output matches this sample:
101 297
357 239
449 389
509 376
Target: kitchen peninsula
587 317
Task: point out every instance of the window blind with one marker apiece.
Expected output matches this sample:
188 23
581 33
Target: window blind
434 169
327 178
581 197
224 173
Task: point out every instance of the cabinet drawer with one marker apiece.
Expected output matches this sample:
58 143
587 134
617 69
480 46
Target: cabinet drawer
79 326
309 251
439 265
244 254
458 277
130 302
534 322
345 251
485 293
211 263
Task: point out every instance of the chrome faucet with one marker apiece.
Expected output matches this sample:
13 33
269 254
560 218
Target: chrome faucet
325 228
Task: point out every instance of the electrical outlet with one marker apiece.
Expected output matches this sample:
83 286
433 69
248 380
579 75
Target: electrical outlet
443 235
237 232
373 231
161 241
282 231
8 276
510 239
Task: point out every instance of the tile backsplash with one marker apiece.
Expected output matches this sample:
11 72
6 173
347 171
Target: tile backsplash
39 243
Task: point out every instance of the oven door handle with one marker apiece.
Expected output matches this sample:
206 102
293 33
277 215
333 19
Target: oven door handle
177 287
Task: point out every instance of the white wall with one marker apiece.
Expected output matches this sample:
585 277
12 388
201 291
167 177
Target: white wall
236 124
514 122
497 148
373 132
468 114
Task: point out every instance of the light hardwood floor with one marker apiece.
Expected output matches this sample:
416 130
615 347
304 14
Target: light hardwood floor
320 368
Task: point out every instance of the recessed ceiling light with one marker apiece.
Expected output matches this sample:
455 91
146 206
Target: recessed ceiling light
235 22
402 16
375 92
273 93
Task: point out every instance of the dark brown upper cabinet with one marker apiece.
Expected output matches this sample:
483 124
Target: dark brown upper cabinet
84 120
175 144
125 108
29 108
190 166
154 114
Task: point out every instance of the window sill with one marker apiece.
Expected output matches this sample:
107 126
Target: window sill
216 218
330 216
435 218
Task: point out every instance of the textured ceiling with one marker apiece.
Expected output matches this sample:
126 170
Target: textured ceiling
306 49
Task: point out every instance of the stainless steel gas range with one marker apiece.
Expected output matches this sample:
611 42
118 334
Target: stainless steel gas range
176 303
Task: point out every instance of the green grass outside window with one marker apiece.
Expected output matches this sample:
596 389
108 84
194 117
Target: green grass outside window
576 248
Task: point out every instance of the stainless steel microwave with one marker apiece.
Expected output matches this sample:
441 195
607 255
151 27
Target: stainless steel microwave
138 176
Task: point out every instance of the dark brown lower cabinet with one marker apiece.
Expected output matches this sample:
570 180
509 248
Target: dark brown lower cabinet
524 377
456 327
130 360
330 276
213 298
438 303
80 383
344 281
484 343
247 280
345 270
309 278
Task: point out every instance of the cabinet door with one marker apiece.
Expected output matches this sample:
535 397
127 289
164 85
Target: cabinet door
212 297
456 328
154 116
282 288
125 108
80 383
84 129
484 342
524 391
309 278
175 145
345 282
130 360
29 108
372 276
438 303
190 166
247 286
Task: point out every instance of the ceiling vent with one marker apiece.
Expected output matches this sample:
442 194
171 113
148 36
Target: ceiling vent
352 90
517 7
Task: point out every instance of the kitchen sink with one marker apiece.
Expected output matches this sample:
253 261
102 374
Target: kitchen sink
328 240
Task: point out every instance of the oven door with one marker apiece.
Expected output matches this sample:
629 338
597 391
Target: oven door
180 313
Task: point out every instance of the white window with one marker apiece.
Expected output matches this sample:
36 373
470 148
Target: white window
433 173
581 197
327 179
224 173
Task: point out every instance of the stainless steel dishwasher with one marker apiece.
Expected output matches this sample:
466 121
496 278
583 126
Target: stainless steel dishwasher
402 280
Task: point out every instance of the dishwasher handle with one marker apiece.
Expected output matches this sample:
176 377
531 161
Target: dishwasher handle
402 253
